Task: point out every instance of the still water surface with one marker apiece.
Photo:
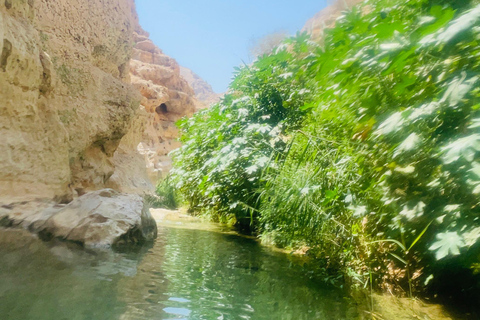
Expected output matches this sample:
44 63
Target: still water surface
186 274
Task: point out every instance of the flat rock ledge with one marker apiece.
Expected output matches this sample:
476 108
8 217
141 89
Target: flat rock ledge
99 219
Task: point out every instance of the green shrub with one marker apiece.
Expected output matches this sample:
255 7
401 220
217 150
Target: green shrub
366 149
166 196
226 147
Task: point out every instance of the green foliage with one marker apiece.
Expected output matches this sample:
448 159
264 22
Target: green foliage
166 196
225 148
372 137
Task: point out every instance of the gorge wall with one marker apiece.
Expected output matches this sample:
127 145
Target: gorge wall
65 102
166 97
81 87
203 90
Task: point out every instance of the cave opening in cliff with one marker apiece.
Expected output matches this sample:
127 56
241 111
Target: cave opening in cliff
161 109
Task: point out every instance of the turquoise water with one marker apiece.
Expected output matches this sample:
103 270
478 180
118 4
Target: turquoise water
186 274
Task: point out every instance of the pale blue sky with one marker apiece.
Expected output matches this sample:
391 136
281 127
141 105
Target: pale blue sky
212 36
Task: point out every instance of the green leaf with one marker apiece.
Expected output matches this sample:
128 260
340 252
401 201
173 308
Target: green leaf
475 123
424 111
463 147
251 169
358 211
455 29
441 16
449 243
400 61
391 240
330 194
406 82
414 212
391 124
476 190
398 258
471 237
308 106
410 143
458 89
462 24
475 169
419 236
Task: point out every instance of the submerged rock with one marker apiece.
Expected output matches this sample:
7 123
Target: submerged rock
103 218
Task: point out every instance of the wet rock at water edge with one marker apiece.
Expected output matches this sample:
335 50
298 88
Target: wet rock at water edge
100 219
103 218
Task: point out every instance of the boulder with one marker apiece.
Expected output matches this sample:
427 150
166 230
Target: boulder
103 218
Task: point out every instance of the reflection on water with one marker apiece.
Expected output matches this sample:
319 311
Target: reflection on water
187 274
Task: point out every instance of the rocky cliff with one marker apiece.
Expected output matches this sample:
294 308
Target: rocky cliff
65 101
70 121
203 90
166 97
65 107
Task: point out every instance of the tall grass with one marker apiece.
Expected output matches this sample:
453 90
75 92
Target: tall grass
166 196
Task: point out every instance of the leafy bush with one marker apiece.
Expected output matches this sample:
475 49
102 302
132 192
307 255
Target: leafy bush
365 149
166 196
226 147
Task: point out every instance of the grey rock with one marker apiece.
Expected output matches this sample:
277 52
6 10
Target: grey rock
99 219
103 218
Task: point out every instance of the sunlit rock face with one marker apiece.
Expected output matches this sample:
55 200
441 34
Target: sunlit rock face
70 120
326 18
166 97
65 101
130 173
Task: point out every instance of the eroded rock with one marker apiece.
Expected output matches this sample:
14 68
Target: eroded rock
326 18
166 97
203 90
65 98
103 218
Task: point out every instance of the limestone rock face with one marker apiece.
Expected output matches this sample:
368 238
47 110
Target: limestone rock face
326 18
103 218
70 120
166 97
65 101
130 173
203 90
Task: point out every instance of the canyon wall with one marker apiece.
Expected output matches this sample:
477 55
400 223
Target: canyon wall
203 90
65 101
87 101
166 97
